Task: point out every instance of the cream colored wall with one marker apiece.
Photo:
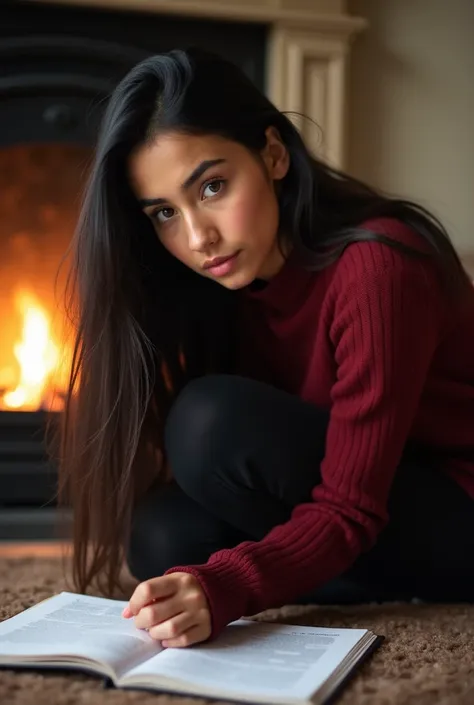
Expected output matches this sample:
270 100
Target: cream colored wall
411 105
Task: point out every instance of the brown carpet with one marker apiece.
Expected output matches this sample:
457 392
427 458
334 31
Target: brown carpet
427 657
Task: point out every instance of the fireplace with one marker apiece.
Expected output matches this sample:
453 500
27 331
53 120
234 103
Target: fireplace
58 65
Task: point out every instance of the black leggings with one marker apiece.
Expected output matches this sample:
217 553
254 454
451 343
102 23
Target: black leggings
243 454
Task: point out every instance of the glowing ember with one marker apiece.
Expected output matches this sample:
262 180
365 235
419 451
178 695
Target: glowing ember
38 357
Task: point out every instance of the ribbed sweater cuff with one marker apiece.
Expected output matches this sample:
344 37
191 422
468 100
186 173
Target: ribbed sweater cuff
225 589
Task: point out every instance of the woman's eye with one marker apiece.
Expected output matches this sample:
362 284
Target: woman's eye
214 188
166 214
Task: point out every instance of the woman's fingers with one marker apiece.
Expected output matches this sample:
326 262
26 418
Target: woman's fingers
173 608
194 635
153 589
173 628
157 612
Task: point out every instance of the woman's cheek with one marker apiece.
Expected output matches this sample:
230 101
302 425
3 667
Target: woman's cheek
249 212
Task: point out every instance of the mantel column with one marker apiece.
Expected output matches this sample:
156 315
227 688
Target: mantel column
307 73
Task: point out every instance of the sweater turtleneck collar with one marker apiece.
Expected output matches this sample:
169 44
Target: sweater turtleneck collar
285 291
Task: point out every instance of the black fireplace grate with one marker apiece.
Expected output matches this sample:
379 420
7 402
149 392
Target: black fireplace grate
28 478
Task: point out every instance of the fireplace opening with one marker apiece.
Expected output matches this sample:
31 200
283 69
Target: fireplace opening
39 187
58 66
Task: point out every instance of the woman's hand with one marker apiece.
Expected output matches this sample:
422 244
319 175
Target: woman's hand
172 608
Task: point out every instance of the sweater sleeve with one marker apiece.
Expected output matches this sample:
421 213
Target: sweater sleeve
384 330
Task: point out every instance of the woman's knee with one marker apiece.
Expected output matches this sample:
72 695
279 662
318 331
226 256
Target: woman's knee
198 427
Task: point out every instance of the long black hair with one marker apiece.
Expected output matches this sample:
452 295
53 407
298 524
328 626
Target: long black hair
141 334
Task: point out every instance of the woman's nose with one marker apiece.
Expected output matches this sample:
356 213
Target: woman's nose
201 234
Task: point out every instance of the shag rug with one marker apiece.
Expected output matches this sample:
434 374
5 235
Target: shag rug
427 657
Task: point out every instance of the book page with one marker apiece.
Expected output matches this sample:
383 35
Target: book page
256 658
76 625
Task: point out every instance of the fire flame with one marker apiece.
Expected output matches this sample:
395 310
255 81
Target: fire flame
39 359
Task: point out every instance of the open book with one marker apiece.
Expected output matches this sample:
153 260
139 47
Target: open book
250 661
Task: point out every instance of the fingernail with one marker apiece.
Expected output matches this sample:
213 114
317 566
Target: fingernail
126 612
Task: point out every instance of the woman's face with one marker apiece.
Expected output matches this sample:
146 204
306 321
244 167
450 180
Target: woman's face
213 203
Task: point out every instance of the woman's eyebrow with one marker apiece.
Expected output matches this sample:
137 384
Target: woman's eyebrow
192 178
199 171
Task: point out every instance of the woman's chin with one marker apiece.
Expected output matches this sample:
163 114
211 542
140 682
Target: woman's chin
235 283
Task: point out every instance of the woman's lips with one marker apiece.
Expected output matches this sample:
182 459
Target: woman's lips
224 266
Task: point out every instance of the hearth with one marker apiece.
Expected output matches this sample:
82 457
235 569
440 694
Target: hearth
28 479
58 66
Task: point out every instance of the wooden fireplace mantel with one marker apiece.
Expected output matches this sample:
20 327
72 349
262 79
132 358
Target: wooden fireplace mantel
307 56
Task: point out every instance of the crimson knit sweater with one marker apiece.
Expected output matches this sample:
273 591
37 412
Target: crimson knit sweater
372 338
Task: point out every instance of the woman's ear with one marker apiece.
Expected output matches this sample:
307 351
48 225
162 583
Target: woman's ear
275 155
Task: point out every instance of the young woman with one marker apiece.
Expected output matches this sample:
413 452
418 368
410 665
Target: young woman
272 394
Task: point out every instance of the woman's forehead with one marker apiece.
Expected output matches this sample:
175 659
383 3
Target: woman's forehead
168 161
